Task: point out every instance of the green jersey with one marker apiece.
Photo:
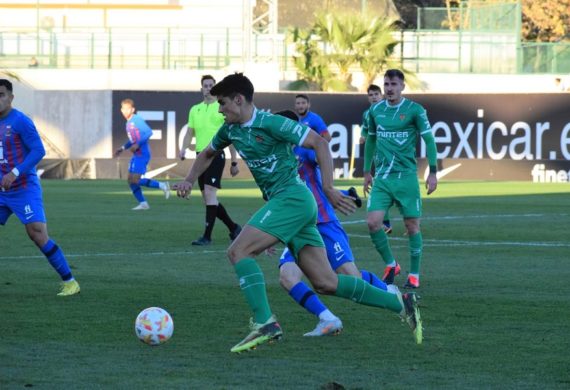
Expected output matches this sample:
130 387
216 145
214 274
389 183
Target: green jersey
205 120
396 129
364 125
265 143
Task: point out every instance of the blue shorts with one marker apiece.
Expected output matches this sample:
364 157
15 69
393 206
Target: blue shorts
336 244
26 203
138 164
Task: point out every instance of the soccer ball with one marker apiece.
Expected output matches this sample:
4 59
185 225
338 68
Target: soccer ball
154 326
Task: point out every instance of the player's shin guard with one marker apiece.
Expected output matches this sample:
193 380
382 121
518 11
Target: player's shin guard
137 192
380 241
359 291
305 297
149 183
252 283
416 244
57 259
373 280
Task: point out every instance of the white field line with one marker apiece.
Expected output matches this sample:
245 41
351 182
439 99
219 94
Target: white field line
430 242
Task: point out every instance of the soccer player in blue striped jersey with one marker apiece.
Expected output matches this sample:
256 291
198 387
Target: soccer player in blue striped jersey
394 127
337 246
309 118
21 149
139 133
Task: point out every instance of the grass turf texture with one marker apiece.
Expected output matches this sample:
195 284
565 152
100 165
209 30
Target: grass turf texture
494 297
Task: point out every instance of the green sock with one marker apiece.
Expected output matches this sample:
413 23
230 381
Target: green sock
357 290
252 283
415 253
380 241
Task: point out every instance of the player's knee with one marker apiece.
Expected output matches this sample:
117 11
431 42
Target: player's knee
374 224
324 286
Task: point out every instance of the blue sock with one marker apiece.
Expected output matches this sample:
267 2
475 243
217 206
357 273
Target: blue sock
149 183
305 297
344 192
57 259
373 280
137 192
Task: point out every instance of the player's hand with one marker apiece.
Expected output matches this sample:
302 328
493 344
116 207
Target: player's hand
344 204
183 189
234 170
362 140
182 154
117 152
431 183
7 181
367 183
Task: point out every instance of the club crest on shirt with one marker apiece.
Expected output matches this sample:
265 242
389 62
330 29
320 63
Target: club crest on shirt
8 131
402 117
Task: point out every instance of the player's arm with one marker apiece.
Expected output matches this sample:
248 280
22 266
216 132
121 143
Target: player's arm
369 151
32 141
322 129
234 170
340 202
202 162
424 128
186 142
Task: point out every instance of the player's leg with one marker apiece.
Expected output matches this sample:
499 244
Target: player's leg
290 278
150 183
29 209
137 168
314 265
379 201
214 180
407 193
264 326
415 243
386 224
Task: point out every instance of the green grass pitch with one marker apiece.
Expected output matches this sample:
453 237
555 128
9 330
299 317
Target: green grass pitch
495 300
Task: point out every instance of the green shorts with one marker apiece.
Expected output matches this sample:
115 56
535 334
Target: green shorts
403 191
291 217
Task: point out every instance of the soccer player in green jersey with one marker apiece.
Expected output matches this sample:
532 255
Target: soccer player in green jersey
265 141
374 96
394 126
203 121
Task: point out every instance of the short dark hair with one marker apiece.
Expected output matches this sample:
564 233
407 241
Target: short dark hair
374 87
207 77
288 114
130 102
391 73
304 96
7 84
232 85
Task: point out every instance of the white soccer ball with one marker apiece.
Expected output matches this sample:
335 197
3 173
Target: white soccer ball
154 326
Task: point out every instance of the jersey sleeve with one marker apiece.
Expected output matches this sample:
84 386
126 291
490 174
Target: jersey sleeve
221 139
285 129
424 128
191 118
32 141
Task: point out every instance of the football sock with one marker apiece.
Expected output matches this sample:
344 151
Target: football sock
344 192
386 222
137 192
373 280
149 183
380 241
223 215
252 283
211 211
306 297
357 290
57 260
416 244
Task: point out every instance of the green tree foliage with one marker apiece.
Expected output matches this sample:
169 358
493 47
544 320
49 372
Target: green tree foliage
339 43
